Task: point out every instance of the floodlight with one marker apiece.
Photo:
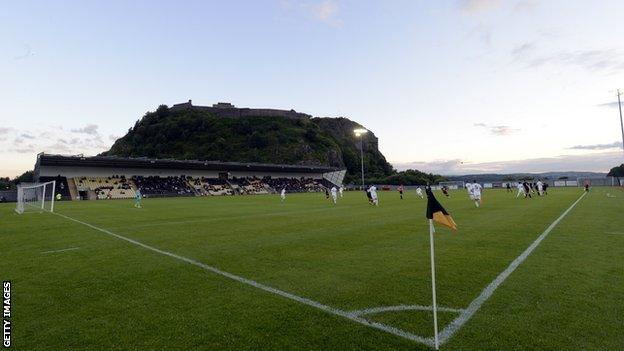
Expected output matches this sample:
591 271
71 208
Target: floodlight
360 131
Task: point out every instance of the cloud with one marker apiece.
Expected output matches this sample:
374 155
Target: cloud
526 5
113 138
26 53
594 162
59 147
498 130
27 150
594 60
523 50
475 6
27 136
503 130
613 104
90 129
613 145
5 130
326 11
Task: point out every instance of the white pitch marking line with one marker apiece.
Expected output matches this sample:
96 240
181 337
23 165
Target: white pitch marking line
615 233
61 250
255 284
476 304
399 308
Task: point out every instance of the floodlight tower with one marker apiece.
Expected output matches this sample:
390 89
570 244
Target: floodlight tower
358 134
621 123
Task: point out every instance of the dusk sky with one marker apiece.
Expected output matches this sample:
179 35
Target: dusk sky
452 87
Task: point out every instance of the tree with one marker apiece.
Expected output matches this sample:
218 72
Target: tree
617 172
26 177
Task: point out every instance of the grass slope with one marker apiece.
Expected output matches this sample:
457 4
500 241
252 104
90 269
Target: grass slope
110 294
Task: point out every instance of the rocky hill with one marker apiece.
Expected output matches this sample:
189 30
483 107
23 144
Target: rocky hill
225 133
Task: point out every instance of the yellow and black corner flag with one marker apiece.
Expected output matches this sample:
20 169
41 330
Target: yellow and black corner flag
436 212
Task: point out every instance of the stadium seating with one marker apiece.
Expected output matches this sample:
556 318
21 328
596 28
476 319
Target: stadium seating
254 186
114 187
154 186
210 186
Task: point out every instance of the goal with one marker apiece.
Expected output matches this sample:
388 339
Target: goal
455 184
35 197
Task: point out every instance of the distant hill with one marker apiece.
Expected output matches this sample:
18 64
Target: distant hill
493 177
226 133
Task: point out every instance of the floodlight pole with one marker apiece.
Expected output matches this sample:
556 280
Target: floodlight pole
358 134
362 158
621 123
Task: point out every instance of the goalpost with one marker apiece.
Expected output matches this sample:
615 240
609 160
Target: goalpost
35 197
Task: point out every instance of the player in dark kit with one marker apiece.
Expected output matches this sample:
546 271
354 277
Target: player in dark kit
527 190
445 190
509 188
369 196
401 191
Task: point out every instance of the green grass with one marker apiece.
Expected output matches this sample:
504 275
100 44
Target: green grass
111 294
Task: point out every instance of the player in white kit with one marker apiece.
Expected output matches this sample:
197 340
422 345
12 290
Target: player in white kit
540 187
419 192
340 190
469 190
283 194
520 189
373 192
334 194
476 192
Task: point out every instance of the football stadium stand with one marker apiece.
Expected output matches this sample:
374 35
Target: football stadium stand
113 187
107 177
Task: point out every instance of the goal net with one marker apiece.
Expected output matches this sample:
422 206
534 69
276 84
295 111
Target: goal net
455 184
35 197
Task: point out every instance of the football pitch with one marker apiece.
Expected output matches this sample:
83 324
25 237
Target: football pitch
250 272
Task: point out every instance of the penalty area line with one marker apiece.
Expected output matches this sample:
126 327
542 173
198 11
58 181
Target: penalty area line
476 304
331 310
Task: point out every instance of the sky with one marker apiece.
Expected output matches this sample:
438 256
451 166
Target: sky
448 86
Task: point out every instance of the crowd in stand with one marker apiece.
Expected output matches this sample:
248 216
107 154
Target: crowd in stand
118 186
163 186
112 187
210 186
293 185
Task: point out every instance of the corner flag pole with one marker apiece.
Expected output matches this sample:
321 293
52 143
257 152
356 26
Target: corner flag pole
433 286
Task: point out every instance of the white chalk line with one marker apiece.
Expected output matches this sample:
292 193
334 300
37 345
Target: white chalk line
399 308
61 250
476 304
255 284
615 233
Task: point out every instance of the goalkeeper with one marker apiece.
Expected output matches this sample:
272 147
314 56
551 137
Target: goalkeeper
137 199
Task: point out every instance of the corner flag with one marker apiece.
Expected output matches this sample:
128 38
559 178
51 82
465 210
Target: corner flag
436 212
